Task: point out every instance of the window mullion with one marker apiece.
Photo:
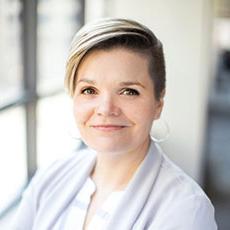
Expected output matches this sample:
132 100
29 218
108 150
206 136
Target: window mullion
29 40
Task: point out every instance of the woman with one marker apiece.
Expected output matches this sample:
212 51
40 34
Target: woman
121 180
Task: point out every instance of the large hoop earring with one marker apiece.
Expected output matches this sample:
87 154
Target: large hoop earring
74 134
160 131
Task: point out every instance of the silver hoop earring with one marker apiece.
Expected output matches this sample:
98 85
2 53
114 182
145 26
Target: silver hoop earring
160 131
75 135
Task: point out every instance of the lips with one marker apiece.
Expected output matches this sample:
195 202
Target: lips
108 127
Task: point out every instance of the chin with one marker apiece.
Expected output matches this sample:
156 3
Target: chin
106 147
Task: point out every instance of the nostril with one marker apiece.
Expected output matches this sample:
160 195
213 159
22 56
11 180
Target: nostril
113 112
107 110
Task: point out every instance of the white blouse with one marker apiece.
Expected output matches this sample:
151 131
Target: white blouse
75 216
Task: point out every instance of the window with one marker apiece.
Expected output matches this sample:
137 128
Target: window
12 122
54 115
34 41
11 53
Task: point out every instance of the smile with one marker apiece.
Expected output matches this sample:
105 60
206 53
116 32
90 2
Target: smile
108 128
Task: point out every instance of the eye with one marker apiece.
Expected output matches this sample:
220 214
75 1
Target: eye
130 92
88 91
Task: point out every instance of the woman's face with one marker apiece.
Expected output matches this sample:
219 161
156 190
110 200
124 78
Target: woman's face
114 102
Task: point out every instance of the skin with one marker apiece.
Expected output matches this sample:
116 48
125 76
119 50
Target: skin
114 108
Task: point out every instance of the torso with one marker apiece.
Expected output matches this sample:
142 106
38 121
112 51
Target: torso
96 202
98 199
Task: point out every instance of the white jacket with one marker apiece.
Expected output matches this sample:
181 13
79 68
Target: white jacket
160 196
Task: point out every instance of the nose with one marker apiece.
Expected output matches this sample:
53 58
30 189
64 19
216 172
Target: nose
107 106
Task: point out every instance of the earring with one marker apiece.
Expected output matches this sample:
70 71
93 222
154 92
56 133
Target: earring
75 135
160 131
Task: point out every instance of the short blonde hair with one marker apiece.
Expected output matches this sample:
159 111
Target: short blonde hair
108 33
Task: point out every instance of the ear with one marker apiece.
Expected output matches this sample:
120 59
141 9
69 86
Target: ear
159 106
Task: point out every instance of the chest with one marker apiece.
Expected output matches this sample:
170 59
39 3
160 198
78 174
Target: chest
89 210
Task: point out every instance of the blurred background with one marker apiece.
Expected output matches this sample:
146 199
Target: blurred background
36 122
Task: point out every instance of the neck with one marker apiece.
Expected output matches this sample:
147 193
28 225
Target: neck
114 171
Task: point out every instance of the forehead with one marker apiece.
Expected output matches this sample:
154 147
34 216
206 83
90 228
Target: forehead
114 64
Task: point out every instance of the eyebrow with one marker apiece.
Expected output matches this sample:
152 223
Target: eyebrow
125 83
86 81
130 83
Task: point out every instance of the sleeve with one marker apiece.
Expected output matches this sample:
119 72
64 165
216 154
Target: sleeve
194 213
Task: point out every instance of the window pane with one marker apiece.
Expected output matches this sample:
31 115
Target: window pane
13 175
57 22
56 134
10 49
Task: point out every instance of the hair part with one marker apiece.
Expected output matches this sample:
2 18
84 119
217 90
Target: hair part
107 34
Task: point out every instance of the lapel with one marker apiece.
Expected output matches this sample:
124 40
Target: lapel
69 183
137 192
129 209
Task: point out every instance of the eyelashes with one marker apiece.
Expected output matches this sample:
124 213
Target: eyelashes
88 91
124 91
129 92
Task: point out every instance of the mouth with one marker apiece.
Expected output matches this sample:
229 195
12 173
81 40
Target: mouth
109 127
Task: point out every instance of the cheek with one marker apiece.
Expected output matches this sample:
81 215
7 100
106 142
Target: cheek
141 113
82 111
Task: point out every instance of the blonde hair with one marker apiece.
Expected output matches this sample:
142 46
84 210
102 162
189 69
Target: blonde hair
110 32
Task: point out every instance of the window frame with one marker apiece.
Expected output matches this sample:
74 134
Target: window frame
28 98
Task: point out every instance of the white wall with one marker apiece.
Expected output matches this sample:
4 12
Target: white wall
184 28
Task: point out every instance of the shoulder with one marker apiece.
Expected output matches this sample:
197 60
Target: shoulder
51 187
175 180
181 199
60 172
64 165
